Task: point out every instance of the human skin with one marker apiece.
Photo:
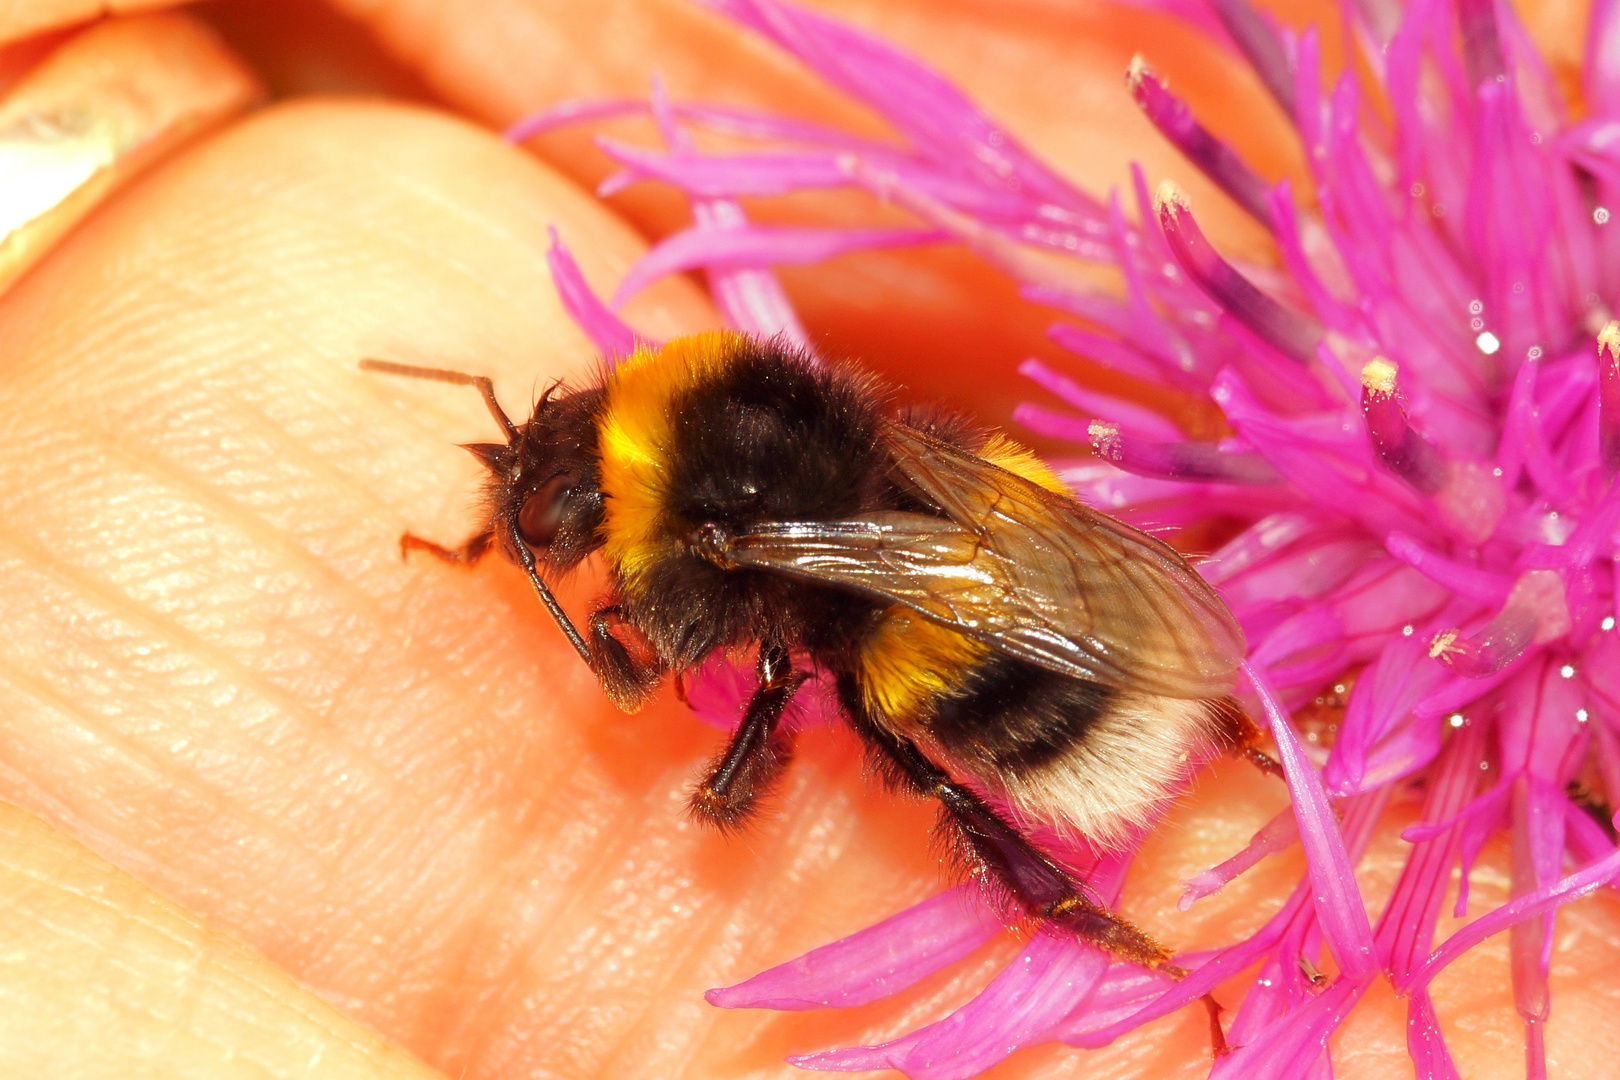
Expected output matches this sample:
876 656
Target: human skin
393 781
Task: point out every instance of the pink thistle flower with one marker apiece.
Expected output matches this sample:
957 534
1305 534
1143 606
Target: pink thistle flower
1424 433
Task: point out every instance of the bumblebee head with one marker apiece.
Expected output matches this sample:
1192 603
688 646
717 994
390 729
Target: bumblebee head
543 490
544 498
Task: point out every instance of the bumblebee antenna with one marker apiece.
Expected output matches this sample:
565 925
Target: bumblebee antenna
480 383
526 558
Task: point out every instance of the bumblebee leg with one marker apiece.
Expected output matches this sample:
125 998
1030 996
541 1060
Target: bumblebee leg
467 554
1041 887
757 753
1243 737
998 851
622 658
1217 1036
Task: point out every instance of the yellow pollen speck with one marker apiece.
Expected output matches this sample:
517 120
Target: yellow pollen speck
1379 375
1104 438
1441 644
1138 69
1609 339
1169 195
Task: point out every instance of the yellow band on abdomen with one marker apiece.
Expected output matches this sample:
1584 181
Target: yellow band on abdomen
909 659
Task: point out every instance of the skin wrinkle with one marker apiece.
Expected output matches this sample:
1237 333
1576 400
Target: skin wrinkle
185 644
418 854
1051 72
520 862
810 800
69 897
692 941
589 896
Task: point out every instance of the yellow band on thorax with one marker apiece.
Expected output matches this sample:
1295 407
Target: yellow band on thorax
635 438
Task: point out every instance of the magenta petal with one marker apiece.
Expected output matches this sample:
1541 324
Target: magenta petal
1490 802
1602 68
749 123
1021 1006
1202 461
601 325
712 175
1338 901
1278 834
1295 335
1587 840
748 295
1609 400
1122 993
1402 449
718 689
1379 712
937 117
1085 1029
1482 585
1053 425
1216 159
874 963
566 113
1293 1043
1119 355
1406 929
1424 1043
1529 906
756 245
1473 517
1457 693
1135 418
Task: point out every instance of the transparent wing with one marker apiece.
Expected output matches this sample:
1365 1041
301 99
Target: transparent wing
1029 572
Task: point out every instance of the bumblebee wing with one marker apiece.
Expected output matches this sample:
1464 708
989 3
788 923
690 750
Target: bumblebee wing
1027 571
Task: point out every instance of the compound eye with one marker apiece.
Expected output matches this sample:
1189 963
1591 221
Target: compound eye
542 512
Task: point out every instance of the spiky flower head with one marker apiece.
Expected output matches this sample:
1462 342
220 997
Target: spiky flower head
1423 433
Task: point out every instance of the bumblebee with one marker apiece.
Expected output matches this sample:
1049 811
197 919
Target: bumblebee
994 643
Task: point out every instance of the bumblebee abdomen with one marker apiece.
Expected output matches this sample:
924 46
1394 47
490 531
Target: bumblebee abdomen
1072 753
1009 717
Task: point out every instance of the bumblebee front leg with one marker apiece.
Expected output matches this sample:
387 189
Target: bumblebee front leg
757 753
467 554
622 658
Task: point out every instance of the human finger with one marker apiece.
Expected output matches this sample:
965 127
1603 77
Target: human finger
103 977
93 110
25 18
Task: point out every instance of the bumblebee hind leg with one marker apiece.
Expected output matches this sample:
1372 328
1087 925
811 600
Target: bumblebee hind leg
999 854
993 848
1242 737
